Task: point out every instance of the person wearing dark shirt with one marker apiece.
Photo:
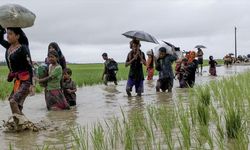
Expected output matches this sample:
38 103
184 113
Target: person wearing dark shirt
200 59
19 62
212 66
164 65
69 87
135 59
109 72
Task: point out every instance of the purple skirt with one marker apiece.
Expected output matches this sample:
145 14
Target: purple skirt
55 100
212 71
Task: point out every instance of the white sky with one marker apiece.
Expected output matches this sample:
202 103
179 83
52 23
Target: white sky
84 29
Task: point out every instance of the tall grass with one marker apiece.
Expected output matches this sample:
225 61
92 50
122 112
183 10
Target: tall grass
213 116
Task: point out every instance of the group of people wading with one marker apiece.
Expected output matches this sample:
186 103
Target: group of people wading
185 68
60 89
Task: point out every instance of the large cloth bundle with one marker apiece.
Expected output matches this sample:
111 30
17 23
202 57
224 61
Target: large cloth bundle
13 15
168 48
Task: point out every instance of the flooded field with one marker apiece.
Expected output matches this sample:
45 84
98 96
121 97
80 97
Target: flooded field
94 103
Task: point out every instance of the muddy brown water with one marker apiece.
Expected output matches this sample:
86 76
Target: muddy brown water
94 103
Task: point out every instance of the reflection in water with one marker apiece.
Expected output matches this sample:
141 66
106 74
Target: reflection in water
94 103
165 98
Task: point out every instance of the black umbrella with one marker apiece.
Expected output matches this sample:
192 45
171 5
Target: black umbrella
141 35
200 46
169 44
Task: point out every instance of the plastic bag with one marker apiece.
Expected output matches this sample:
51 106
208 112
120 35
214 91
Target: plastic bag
13 15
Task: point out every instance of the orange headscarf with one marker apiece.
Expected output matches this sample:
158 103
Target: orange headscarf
191 56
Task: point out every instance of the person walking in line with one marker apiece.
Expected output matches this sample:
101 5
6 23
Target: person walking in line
19 62
69 87
164 65
110 70
54 97
200 59
135 59
150 65
212 66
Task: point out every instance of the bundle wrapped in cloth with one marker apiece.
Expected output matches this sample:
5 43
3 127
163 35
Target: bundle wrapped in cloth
42 72
13 15
170 50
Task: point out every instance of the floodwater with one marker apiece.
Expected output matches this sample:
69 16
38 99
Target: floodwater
94 103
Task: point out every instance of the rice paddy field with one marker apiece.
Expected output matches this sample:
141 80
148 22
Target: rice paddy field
83 74
212 116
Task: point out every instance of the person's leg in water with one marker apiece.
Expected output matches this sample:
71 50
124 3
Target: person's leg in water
129 86
115 79
170 84
161 85
164 85
105 79
201 68
139 87
158 85
17 99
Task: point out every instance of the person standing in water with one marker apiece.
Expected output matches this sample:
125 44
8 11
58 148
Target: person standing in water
164 65
200 59
110 69
212 66
135 59
191 69
150 65
19 62
54 97
69 87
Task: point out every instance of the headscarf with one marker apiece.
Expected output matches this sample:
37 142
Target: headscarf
54 53
23 40
191 56
57 48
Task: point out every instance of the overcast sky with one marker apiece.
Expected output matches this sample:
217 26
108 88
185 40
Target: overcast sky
85 29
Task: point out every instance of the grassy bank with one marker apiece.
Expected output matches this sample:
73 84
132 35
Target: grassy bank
83 74
214 116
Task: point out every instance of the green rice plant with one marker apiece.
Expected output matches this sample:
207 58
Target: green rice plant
203 114
80 137
184 125
10 146
193 106
203 94
114 130
5 88
204 137
241 142
98 137
220 136
128 137
45 147
165 117
233 120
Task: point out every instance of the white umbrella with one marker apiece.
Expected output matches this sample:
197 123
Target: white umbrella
13 15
